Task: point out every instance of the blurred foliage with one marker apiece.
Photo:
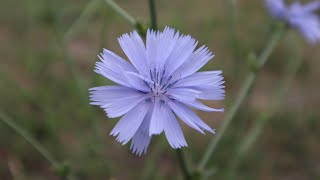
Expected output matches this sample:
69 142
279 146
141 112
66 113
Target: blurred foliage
47 53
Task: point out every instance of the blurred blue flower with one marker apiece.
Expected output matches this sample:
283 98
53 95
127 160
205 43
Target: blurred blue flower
301 17
160 82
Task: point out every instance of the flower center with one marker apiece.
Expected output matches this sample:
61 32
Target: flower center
160 83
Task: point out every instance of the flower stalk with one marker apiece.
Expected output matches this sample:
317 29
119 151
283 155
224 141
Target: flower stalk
153 15
183 164
260 123
244 92
37 146
180 156
134 22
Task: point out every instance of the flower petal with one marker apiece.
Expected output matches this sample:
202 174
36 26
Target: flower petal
183 93
187 116
120 107
141 139
147 80
109 94
166 43
198 105
200 78
180 53
308 26
197 59
157 118
130 122
103 69
173 130
214 93
134 48
114 99
299 16
276 8
135 81
112 67
312 6
152 46
116 61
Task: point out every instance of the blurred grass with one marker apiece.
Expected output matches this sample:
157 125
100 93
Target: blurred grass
38 90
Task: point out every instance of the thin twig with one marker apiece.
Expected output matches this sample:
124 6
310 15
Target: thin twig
64 48
181 158
250 139
244 92
37 146
153 14
135 23
183 165
20 131
90 7
122 12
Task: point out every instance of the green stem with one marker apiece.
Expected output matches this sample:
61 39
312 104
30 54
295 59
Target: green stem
257 128
183 164
121 12
150 167
181 159
20 131
96 125
37 146
89 9
153 15
244 92
232 28
135 23
64 48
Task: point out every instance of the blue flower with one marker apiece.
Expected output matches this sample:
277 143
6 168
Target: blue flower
301 17
160 83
